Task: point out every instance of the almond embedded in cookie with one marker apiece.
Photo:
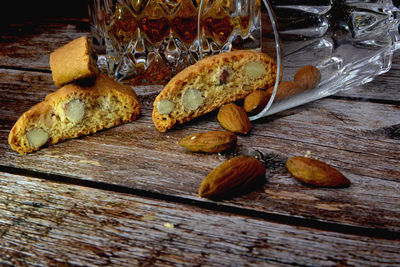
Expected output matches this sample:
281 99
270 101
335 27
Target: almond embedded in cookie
74 111
211 83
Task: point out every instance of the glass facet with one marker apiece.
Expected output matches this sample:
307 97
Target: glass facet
147 42
349 41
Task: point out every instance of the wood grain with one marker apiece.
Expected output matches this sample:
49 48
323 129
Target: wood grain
46 223
128 195
349 135
28 44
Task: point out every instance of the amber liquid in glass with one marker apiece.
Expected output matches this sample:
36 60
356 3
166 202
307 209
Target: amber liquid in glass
147 42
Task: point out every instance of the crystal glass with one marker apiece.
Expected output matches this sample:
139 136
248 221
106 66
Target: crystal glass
149 41
349 41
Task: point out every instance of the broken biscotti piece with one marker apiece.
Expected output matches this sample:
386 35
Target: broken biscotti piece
211 83
73 62
74 111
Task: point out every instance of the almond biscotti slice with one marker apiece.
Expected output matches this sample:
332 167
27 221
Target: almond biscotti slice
73 62
211 83
74 111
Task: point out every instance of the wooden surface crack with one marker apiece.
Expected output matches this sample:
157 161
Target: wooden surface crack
215 206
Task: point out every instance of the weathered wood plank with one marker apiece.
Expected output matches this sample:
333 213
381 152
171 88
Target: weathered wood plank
46 223
349 135
28 44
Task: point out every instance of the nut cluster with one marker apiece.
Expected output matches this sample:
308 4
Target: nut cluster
234 118
192 99
237 173
306 78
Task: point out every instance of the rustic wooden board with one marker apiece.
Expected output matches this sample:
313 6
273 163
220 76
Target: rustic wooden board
28 44
46 223
350 135
137 182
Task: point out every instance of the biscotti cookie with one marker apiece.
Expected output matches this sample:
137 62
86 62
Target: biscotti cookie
74 111
211 83
73 62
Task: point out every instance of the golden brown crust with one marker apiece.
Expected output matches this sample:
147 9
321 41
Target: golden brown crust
72 62
216 91
106 104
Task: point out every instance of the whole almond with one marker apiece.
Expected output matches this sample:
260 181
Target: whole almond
209 142
285 90
233 118
315 172
307 77
255 102
232 176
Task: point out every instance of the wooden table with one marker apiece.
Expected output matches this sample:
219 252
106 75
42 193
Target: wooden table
127 196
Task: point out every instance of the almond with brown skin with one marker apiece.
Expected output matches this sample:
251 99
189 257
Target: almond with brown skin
315 172
255 102
209 142
307 77
233 118
231 177
285 90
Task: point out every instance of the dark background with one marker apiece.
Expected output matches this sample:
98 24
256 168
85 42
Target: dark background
24 10
20 10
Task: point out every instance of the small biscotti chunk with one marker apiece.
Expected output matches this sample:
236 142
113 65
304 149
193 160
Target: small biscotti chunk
73 62
74 111
211 83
